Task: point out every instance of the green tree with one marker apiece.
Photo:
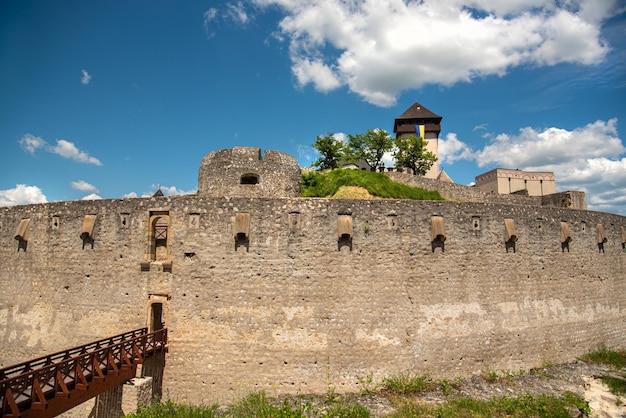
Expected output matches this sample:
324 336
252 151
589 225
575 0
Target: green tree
411 152
331 151
370 146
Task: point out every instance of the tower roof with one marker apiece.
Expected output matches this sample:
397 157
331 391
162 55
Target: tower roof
417 111
417 114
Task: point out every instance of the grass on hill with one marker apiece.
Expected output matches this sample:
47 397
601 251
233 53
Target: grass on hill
327 184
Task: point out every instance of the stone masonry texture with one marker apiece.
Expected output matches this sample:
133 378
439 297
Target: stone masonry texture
294 310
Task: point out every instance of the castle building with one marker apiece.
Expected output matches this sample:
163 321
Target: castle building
419 121
508 181
260 287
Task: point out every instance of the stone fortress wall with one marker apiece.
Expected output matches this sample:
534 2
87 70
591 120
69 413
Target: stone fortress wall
293 295
229 172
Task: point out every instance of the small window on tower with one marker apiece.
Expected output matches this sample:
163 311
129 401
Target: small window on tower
249 179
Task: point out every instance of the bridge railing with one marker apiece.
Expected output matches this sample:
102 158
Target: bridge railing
31 384
66 354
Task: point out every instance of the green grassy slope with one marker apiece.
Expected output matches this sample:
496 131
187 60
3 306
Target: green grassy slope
326 184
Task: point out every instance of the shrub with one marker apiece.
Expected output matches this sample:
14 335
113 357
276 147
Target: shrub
606 356
171 409
407 382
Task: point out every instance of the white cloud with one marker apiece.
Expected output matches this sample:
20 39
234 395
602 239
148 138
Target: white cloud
65 149
589 158
68 150
305 153
232 13
31 143
83 186
451 149
208 17
91 196
553 146
85 78
316 72
173 190
167 191
340 136
131 195
22 195
237 13
378 48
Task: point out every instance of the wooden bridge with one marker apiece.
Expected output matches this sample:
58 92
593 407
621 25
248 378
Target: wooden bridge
50 385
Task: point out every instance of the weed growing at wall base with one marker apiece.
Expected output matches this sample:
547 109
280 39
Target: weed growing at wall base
514 407
256 405
406 383
171 409
617 359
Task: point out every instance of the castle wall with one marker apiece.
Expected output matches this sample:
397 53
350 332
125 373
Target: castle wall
291 311
570 199
460 192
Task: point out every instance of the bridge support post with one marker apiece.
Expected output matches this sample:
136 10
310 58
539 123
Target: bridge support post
109 403
154 367
137 392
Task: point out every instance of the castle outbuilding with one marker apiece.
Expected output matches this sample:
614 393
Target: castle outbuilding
419 121
507 181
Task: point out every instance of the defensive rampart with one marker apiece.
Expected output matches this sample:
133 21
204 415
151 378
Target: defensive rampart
568 199
292 295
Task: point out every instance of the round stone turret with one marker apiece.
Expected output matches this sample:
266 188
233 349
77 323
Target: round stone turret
243 172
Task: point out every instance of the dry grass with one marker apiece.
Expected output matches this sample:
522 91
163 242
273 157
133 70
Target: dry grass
353 192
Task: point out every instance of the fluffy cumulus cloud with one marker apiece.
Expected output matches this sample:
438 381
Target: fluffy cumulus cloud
65 149
173 190
553 146
85 77
378 48
451 149
167 191
589 158
22 195
83 186
92 196
32 144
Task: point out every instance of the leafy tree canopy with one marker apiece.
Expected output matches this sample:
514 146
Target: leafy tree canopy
370 146
410 151
331 150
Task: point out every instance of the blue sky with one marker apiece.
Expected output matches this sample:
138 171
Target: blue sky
112 99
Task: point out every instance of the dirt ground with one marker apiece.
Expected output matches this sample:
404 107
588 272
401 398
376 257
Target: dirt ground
580 378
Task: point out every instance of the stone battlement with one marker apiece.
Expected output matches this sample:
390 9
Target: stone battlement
284 293
242 172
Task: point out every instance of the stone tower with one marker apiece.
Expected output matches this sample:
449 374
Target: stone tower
245 172
418 120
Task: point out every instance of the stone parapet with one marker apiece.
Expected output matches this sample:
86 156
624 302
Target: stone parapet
315 291
245 172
